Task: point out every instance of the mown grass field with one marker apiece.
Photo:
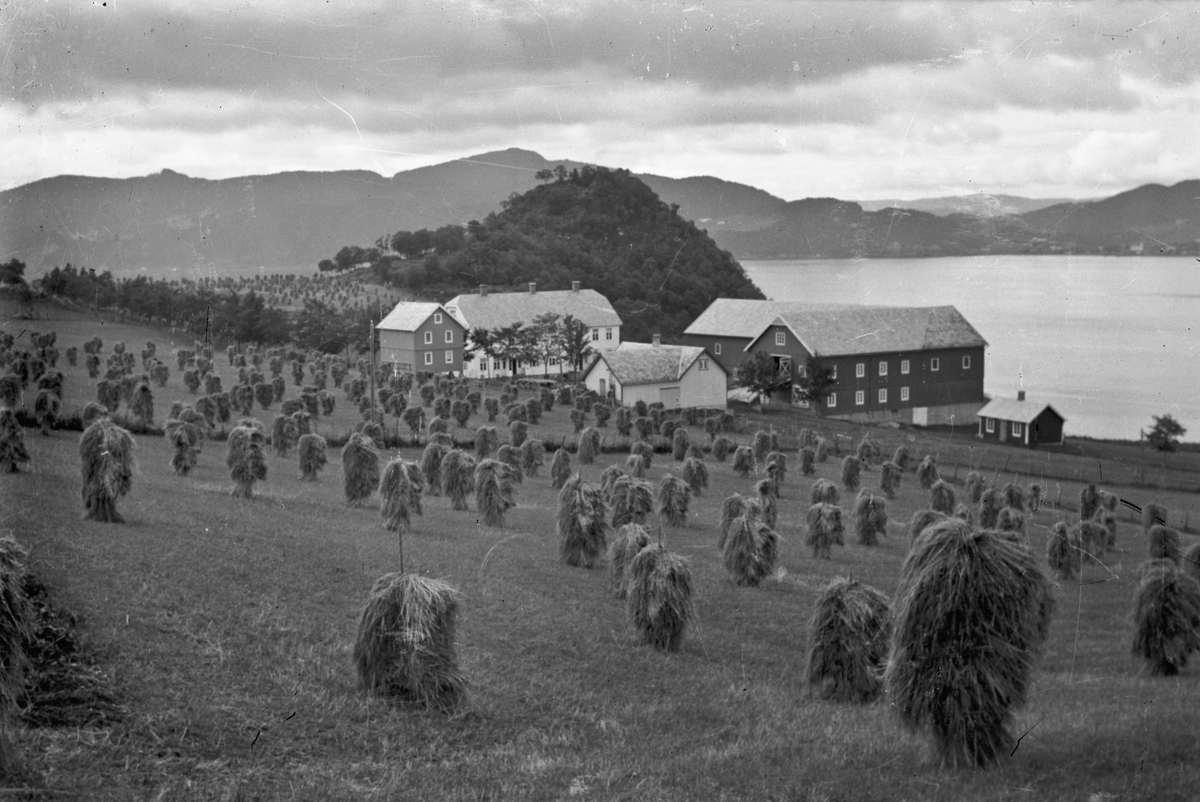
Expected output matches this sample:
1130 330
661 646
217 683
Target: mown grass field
227 625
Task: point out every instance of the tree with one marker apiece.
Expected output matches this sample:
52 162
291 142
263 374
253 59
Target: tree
574 343
761 375
484 342
1165 432
12 272
512 344
816 381
543 336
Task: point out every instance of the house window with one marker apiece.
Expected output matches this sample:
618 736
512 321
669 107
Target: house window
883 395
860 397
831 400
935 364
495 364
717 349
595 335
1016 429
860 370
883 368
449 335
703 363
989 425
903 393
608 334
429 357
833 372
428 337
437 317
449 357
966 363
780 338
904 366
802 371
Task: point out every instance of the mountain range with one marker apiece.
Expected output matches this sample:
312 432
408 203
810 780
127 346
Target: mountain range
169 222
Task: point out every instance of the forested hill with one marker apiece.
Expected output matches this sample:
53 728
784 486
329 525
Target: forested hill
602 227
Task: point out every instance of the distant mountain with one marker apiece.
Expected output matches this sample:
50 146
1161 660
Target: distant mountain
981 204
169 222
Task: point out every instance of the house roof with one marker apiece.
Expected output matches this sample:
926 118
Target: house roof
499 309
408 315
1011 409
851 330
739 317
645 363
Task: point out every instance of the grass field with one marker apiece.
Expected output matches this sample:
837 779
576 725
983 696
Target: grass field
226 626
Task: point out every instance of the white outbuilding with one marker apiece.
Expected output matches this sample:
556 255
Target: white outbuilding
678 376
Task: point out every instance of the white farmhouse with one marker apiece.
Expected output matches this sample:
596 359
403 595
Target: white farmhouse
678 376
497 310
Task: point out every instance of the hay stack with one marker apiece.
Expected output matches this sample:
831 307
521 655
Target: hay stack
722 447
518 433
184 458
776 469
1166 617
487 440
732 508
679 444
395 494
560 469
922 520
1163 543
823 492
900 457
106 453
533 456
808 459
760 445
1061 554
283 434
46 407
889 479
1034 494
632 501
1190 562
989 508
1089 502
821 449
12 442
589 446
941 497
405 643
244 458
1014 496
965 513
825 530
851 469
1107 519
458 477
674 497
1012 520
644 452
768 509
1152 514
927 473
493 492
695 473
750 551
312 456
582 530
743 461
975 486
659 597
849 634
870 517
629 541
360 469
608 478
513 458
971 614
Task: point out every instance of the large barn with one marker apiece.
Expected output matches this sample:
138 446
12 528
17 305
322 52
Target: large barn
1021 421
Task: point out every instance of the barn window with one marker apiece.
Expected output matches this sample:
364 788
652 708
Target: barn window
904 366
780 338
883 395
966 363
437 317
449 335
428 337
860 370
903 393
449 357
703 363
989 425
717 349
429 357
860 398
883 368
935 364
831 400
833 372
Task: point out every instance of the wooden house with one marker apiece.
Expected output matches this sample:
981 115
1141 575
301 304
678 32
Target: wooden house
1021 421
421 337
678 376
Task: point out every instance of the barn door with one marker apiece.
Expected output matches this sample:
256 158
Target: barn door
669 396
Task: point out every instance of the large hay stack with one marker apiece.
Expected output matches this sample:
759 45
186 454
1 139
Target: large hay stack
751 550
582 529
674 497
405 642
12 442
397 494
632 501
458 477
1166 617
493 492
628 543
659 599
106 454
825 530
849 634
971 613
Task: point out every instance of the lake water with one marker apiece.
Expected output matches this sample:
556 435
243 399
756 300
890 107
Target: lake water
1108 341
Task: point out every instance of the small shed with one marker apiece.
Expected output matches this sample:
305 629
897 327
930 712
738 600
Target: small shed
678 376
1022 421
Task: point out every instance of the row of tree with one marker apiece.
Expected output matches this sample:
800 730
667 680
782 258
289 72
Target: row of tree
547 338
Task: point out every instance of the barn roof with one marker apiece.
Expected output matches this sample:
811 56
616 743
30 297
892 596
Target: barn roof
499 309
1012 409
408 315
852 330
645 363
739 317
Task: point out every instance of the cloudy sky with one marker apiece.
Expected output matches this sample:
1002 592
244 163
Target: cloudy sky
855 100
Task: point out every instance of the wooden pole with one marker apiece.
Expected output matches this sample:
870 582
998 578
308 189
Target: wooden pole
371 362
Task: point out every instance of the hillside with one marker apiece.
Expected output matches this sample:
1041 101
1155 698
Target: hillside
603 227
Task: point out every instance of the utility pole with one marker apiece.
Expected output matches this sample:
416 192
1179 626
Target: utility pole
371 351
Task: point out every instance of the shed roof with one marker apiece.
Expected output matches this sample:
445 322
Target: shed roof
851 330
645 363
739 317
1012 409
408 315
499 309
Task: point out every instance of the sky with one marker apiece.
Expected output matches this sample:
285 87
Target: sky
858 100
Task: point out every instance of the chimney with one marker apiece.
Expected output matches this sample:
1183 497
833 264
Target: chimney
1020 395
532 287
574 286
656 339
482 290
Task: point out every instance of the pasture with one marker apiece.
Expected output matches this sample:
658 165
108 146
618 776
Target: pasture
226 627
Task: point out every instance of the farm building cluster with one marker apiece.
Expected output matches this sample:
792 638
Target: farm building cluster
921 366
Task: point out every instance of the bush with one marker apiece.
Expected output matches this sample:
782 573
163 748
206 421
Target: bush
849 634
